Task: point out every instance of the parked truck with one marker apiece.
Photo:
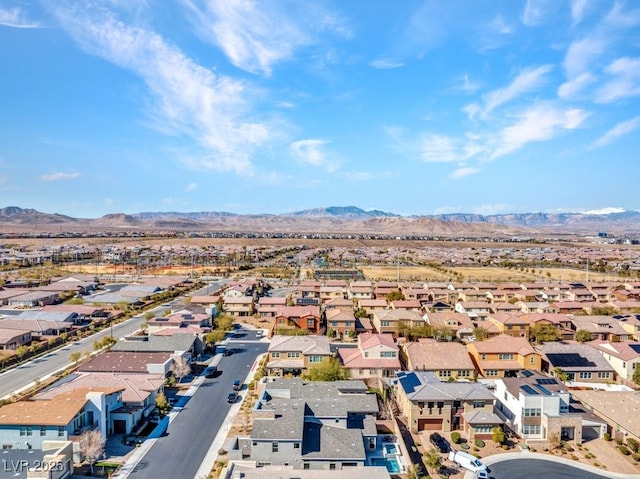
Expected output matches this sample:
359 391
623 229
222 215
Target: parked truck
467 461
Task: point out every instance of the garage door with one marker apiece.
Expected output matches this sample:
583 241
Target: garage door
119 426
590 432
429 424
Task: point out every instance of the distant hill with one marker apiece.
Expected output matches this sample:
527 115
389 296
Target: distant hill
339 219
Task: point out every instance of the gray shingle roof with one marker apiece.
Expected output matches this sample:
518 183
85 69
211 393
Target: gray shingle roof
424 386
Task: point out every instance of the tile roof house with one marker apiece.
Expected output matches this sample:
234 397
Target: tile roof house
188 345
341 323
605 328
12 339
38 328
376 356
631 324
129 362
388 321
581 362
618 408
503 355
444 359
429 404
339 303
238 306
511 324
560 322
624 358
457 322
296 354
310 425
306 318
268 306
537 407
371 305
477 310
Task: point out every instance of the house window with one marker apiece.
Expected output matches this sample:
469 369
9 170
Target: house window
463 373
296 445
532 360
492 372
305 466
334 324
60 431
445 373
315 358
585 375
505 356
332 466
23 430
483 357
478 404
274 447
531 412
275 355
293 354
311 323
388 354
483 429
531 429
43 430
347 324
603 374
420 404
385 324
440 404
430 404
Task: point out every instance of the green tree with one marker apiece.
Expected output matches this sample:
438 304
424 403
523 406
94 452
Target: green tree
330 370
582 336
361 313
75 357
224 322
636 375
395 296
22 351
214 337
497 435
560 374
480 333
414 471
433 460
543 332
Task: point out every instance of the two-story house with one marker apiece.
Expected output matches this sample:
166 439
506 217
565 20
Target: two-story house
296 354
430 404
511 324
580 362
340 323
306 318
388 321
447 360
624 358
503 356
375 357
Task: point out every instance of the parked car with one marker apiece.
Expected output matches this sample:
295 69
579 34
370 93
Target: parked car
211 372
232 397
237 385
440 443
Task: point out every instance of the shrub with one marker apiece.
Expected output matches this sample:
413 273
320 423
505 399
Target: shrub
619 441
505 447
636 456
455 437
607 436
475 449
624 450
574 457
633 444
479 443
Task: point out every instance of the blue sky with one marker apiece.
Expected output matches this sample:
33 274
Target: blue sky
272 106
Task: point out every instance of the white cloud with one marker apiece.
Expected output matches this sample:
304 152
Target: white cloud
535 11
468 85
625 81
16 18
59 176
193 186
257 35
528 80
189 100
571 88
539 123
604 211
578 8
386 64
620 129
620 18
464 171
313 152
491 209
500 26
438 149
582 53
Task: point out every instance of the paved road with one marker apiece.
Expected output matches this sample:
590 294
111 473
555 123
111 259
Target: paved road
181 451
535 469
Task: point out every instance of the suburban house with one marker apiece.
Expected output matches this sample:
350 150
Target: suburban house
238 306
430 404
129 362
618 408
459 323
268 306
605 328
332 292
372 305
182 319
631 324
580 362
339 303
407 305
624 358
511 324
503 356
310 425
538 407
560 322
37 327
33 299
12 339
447 360
296 354
297 317
242 470
360 290
341 323
389 320
188 345
477 310
27 424
375 357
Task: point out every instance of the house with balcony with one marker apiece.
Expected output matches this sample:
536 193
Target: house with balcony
388 321
239 306
459 323
377 356
560 322
432 405
27 424
310 426
503 356
268 306
538 407
476 310
580 362
372 305
511 324
358 290
294 355
306 318
447 360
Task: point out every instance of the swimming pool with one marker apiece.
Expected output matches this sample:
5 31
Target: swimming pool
391 449
390 463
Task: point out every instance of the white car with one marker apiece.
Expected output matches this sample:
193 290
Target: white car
482 475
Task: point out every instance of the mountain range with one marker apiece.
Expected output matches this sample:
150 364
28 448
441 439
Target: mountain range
343 219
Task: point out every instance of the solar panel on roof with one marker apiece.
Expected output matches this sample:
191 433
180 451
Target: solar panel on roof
527 373
529 390
546 381
543 390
